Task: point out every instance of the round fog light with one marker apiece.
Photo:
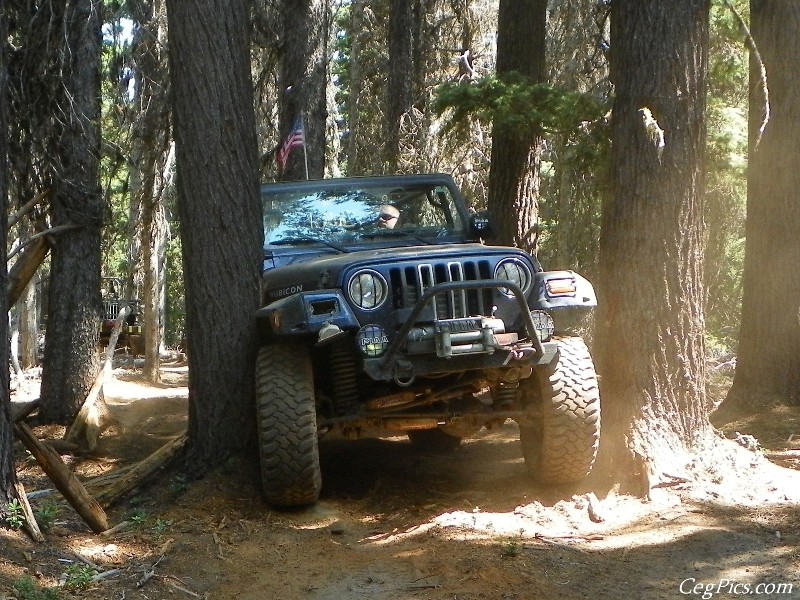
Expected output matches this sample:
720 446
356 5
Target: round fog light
544 324
372 340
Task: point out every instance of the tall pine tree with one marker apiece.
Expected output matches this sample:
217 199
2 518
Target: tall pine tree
650 349
220 214
516 154
768 361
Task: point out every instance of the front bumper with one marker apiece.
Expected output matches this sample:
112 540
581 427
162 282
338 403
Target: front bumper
419 348
452 352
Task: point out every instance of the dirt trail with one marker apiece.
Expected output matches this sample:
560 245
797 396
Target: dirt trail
394 523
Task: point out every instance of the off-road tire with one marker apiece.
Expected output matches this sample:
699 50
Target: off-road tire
433 440
287 425
560 440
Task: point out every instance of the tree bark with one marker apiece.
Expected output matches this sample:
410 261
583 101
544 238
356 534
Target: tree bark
220 220
25 267
28 312
366 93
400 76
151 147
303 78
768 361
650 350
7 472
71 362
514 176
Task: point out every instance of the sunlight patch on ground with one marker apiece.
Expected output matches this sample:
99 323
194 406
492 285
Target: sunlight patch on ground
117 389
735 476
318 516
566 521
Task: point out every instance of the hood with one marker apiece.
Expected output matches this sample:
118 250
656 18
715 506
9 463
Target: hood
293 270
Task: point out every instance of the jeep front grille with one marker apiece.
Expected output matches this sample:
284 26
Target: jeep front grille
110 309
410 282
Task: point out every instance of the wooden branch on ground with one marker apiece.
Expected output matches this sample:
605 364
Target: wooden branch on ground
85 430
122 525
137 474
64 479
106 479
782 454
30 519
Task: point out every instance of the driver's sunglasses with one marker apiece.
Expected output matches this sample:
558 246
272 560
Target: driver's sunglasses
387 217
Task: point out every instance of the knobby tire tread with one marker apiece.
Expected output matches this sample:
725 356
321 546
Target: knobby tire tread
287 425
563 448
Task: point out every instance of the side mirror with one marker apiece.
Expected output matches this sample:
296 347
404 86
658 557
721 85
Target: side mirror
480 226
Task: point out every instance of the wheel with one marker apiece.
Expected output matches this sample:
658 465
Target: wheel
560 441
433 440
287 425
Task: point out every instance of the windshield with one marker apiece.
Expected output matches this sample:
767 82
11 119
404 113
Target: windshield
361 212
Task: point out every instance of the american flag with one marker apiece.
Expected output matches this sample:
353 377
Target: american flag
295 139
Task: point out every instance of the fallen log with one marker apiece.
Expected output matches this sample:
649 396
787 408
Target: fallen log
782 454
47 233
85 430
34 250
25 267
21 410
140 472
64 479
31 525
15 218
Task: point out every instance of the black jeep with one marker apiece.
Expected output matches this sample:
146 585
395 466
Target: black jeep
385 314
130 336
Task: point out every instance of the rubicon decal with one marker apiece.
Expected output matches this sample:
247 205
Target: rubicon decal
288 291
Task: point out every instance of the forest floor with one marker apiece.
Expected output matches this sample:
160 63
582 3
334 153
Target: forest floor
394 523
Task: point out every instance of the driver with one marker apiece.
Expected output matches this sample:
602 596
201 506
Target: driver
388 216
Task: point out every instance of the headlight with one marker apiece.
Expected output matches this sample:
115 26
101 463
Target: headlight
367 289
514 270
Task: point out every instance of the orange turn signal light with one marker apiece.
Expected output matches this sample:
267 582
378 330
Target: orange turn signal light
561 287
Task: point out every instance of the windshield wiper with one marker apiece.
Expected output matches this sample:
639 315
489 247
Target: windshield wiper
308 240
394 233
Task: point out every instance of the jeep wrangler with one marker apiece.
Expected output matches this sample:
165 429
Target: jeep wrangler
130 337
385 314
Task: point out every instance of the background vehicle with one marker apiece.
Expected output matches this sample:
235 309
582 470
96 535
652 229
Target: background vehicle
418 329
130 336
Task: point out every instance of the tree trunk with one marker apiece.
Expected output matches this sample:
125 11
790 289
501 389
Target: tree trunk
151 141
153 252
71 362
650 347
366 92
768 361
578 182
220 220
303 78
29 326
400 76
7 469
28 312
514 177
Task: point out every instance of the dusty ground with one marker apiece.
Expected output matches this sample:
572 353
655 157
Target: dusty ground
397 524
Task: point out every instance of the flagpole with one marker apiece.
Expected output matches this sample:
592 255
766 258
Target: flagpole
305 151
